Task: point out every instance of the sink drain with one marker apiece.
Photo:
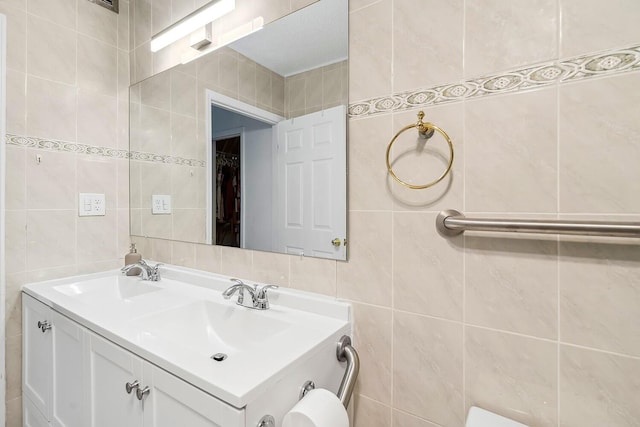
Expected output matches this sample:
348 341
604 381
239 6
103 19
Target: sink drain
219 357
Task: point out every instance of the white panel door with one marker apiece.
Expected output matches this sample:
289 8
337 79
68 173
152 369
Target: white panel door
311 187
68 369
109 369
172 402
36 350
31 416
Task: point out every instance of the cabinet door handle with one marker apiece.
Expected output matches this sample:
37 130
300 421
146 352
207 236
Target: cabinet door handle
141 393
131 386
44 326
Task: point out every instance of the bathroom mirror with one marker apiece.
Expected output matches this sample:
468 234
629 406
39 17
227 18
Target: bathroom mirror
246 146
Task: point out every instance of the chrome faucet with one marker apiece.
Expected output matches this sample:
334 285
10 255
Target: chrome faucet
147 272
259 299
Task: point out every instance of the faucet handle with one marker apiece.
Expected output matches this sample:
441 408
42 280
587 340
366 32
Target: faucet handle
262 292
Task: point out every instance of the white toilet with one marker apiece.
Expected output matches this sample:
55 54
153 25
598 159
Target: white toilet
478 417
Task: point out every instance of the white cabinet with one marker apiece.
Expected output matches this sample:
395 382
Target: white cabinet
168 401
75 378
52 366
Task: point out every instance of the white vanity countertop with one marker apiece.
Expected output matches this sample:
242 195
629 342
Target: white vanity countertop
179 322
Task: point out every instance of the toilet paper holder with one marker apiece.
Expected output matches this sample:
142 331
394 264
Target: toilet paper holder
344 352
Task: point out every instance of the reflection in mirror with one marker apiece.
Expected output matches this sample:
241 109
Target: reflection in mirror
246 145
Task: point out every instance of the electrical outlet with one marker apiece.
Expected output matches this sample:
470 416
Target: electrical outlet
160 204
91 204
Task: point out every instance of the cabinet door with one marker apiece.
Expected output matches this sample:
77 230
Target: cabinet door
68 361
109 369
36 353
172 402
31 416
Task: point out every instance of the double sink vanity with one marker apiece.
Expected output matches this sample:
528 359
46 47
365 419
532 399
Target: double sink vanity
111 350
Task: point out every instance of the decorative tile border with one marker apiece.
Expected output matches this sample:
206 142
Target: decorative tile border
563 71
73 147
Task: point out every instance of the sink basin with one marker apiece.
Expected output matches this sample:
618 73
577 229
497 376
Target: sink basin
208 327
118 288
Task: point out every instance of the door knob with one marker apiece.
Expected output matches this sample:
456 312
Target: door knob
336 242
44 326
141 393
131 386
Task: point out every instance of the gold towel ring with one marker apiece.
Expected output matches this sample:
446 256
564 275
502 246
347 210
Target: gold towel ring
426 131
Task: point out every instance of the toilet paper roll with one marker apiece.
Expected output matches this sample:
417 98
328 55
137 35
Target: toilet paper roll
319 408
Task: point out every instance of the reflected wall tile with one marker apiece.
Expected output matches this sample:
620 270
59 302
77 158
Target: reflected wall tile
156 92
599 294
160 226
247 79
16 190
277 93
511 153
180 9
51 184
367 172
16 36
295 94
615 22
208 258
519 32
228 75
369 413
263 86
189 225
186 191
97 67
420 162
427 53
97 119
155 180
155 131
142 62
313 89
15 241
98 22
97 267
98 175
97 238
372 335
271 268
331 86
370 51
45 232
402 419
183 136
61 12
427 269
598 389
313 275
183 254
183 94
366 277
427 368
16 86
161 250
598 165
236 262
511 375
512 284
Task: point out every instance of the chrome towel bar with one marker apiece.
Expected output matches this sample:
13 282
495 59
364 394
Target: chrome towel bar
452 223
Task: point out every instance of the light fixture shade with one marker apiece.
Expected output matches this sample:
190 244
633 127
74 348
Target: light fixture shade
206 14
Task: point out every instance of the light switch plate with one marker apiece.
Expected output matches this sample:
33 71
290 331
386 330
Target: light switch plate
91 204
160 204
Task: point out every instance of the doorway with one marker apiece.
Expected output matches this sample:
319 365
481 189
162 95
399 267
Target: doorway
227 191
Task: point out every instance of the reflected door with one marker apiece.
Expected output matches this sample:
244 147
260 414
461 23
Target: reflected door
311 190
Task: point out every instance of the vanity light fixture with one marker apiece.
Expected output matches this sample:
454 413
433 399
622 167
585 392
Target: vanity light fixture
225 39
199 18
